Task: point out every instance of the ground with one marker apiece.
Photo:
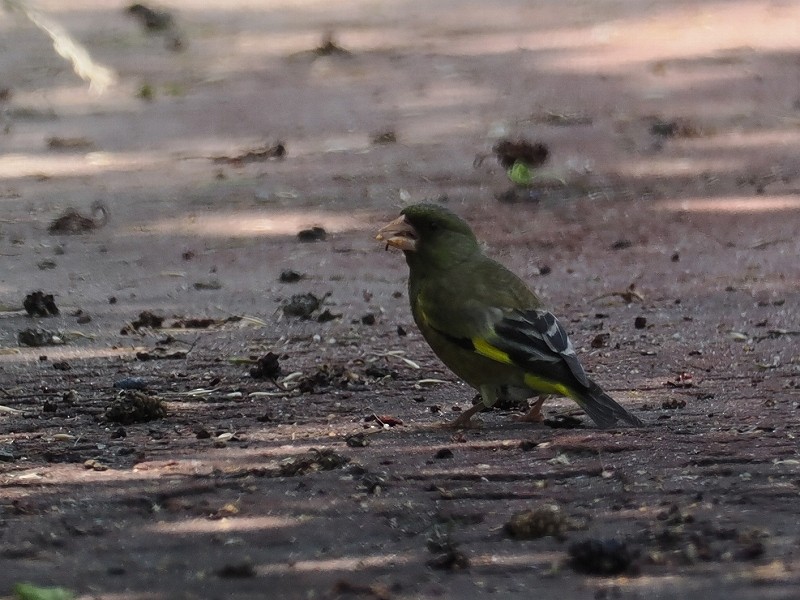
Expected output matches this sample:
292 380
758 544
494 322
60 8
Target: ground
674 132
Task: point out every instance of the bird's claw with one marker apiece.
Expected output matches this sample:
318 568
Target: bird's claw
537 417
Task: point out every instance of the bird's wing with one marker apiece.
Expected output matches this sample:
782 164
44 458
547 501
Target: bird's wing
533 340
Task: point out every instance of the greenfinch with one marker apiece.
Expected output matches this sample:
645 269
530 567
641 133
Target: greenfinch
485 324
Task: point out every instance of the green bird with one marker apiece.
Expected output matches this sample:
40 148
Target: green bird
484 322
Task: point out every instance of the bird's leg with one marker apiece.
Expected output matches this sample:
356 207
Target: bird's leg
464 420
534 414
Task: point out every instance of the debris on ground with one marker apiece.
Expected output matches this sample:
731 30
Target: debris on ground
146 92
621 244
539 522
675 128
601 557
312 461
326 315
682 380
159 353
303 305
446 554
384 137
330 376
563 422
46 264
443 453
39 304
684 540
202 322
209 284
151 19
377 591
266 367
290 276
239 570
71 222
196 323
131 383
145 319
328 47
517 195
267 152
357 440
629 295
158 21
135 406
28 591
383 420
379 371
673 403
35 337
510 152
562 119
69 143
312 234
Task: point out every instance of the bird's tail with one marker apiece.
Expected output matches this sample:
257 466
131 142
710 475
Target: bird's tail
602 408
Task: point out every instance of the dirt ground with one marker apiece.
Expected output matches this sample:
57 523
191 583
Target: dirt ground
675 129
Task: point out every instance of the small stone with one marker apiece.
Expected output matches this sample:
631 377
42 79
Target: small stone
314 234
357 440
266 367
621 244
290 276
131 383
640 322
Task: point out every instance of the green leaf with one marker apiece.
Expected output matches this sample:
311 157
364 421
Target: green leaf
520 174
28 591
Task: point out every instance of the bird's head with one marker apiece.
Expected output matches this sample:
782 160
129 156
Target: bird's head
430 235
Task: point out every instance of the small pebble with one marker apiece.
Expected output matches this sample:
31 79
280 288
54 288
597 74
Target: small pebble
131 383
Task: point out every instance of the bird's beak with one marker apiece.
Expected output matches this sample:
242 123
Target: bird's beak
399 234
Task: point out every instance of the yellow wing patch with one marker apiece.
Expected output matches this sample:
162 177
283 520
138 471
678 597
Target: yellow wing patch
484 348
539 384
546 386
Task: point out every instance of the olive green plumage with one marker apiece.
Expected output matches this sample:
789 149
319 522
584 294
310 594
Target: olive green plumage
486 325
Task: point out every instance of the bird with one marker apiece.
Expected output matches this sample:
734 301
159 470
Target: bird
485 324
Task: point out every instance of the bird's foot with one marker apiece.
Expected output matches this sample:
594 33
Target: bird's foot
534 414
462 423
464 420
530 417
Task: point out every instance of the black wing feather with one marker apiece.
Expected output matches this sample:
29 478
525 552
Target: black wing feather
537 336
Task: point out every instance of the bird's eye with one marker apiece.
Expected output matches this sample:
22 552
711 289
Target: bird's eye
433 226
